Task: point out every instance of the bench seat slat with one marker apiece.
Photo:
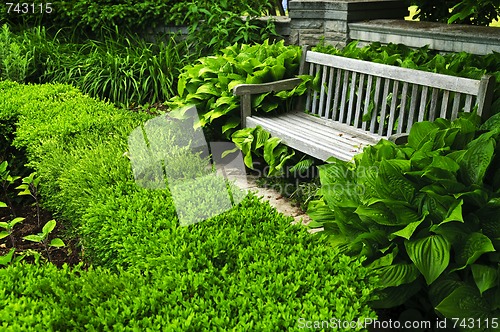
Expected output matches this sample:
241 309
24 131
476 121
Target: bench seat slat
313 142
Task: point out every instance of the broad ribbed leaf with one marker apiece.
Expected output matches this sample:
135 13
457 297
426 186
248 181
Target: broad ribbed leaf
484 276
208 88
419 133
3 234
476 161
408 231
475 245
392 184
3 205
397 274
395 296
464 302
431 255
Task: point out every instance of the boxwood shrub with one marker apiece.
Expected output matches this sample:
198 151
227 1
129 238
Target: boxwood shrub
245 269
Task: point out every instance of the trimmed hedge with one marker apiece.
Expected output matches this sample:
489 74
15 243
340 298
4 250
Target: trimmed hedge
245 269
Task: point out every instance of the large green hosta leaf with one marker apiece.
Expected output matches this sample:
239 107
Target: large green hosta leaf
485 277
395 296
431 255
476 161
397 274
392 184
465 302
475 245
420 133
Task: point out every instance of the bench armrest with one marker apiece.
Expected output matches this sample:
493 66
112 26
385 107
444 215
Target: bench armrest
399 139
247 90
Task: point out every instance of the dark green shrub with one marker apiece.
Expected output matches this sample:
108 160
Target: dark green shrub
426 215
126 14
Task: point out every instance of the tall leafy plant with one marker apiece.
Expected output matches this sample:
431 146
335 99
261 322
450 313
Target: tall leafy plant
208 84
426 215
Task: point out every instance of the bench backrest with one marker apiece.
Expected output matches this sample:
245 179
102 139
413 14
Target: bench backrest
386 99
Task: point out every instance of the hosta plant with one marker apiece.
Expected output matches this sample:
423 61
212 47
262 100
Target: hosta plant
426 214
208 84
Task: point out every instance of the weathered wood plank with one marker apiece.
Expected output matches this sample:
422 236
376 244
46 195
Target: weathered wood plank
376 97
345 86
367 99
444 104
423 104
321 110
330 93
413 107
352 97
337 96
314 106
434 102
383 111
361 90
276 86
392 111
456 105
402 108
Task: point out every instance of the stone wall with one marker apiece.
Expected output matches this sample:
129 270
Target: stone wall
442 37
311 20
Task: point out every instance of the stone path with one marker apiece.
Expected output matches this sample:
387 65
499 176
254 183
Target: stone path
275 199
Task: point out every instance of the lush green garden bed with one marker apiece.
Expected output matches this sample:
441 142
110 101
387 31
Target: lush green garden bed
248 268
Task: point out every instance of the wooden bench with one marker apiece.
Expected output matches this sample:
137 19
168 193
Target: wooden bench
360 102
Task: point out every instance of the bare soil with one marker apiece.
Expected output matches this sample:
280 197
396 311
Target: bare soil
69 254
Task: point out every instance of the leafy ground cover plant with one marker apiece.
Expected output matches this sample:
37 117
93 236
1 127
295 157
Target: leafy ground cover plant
248 268
425 214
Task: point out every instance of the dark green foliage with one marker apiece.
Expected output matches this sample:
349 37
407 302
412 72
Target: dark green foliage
425 214
245 269
455 64
124 68
129 15
481 12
